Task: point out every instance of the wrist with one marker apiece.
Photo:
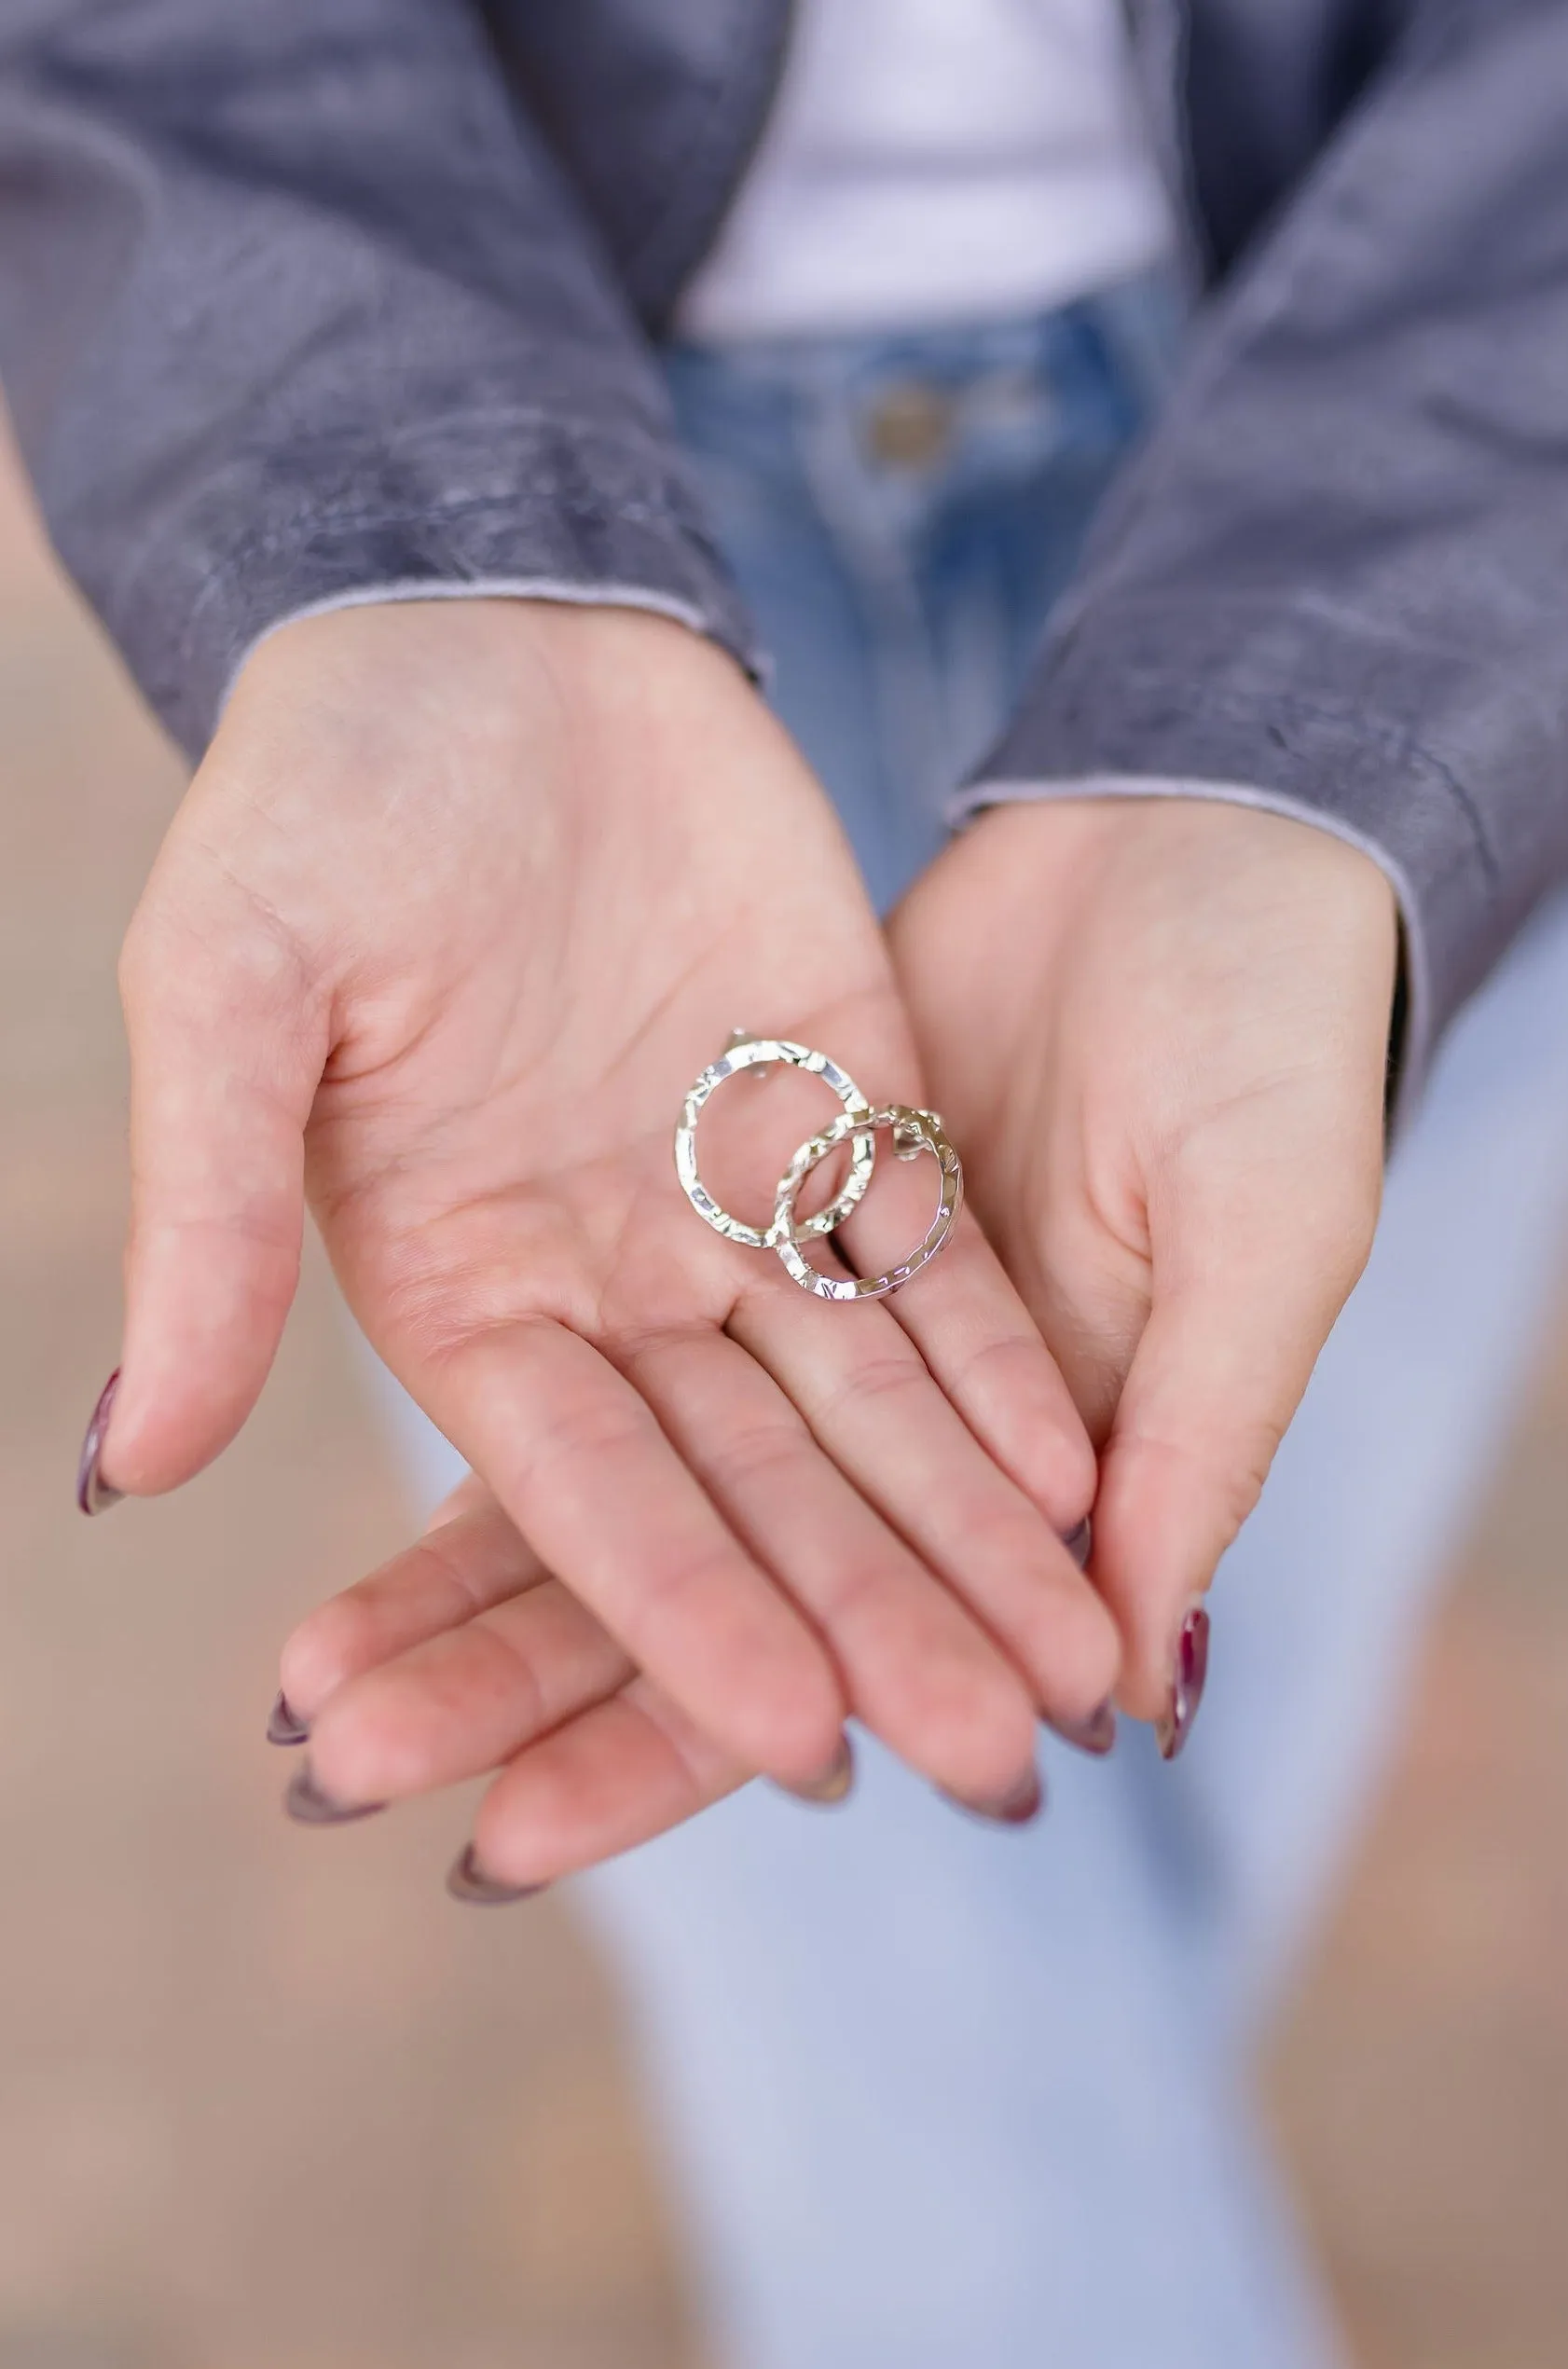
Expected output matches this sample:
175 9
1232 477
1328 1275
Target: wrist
1224 863
493 649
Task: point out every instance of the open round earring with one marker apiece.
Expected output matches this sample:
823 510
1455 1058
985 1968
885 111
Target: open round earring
749 1052
913 1131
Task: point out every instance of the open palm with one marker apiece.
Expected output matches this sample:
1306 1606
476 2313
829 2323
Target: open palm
1167 1075
463 897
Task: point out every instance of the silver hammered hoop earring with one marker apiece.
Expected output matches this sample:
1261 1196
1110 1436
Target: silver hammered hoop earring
751 1053
913 1131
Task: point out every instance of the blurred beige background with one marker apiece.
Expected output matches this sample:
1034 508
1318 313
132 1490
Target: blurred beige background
268 2101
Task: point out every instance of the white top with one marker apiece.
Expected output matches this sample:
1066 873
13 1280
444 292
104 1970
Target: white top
937 161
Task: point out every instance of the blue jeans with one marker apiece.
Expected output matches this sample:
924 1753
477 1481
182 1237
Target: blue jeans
937 2097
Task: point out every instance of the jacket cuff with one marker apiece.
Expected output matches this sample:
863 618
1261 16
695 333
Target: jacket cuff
521 505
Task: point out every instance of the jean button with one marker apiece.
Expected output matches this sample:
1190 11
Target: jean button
909 426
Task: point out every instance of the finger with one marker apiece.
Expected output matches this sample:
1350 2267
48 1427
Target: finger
918 1670
871 1402
985 1353
579 1461
465 1700
628 1771
1247 1284
227 1050
461 1566
978 1340
470 1494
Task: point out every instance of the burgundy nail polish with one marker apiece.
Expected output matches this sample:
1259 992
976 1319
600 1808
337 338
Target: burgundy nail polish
93 1494
1079 1542
1095 1734
285 1725
466 1880
1187 1683
824 1792
1018 1807
309 1806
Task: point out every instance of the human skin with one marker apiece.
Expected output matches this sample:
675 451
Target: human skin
1169 1077
1158 1031
461 901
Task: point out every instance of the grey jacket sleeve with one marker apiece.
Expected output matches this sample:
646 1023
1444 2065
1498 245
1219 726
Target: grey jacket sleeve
1337 577
292 306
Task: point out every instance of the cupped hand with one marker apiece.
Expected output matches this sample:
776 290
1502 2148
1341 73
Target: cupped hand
1159 1033
463 898
1159 1029
463 1657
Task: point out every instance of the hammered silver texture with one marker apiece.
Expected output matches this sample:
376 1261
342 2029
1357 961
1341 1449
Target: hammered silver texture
913 1132
748 1053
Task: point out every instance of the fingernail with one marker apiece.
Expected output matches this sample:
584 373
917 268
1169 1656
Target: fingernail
311 1807
1095 1734
466 1880
1187 1683
93 1493
1015 1809
835 1781
1079 1542
285 1725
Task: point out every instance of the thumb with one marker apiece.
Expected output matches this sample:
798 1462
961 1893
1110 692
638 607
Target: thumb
1247 1285
227 1046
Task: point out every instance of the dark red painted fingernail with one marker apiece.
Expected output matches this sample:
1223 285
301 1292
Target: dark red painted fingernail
834 1783
1187 1683
1095 1734
93 1493
306 1802
1079 1542
467 1880
285 1725
1015 1809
